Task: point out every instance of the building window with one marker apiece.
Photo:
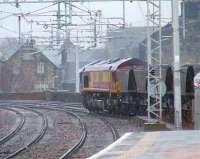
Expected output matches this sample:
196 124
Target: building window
41 86
40 68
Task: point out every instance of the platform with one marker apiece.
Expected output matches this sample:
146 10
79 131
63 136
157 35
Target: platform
183 144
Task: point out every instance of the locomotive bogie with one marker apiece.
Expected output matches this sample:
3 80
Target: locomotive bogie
131 104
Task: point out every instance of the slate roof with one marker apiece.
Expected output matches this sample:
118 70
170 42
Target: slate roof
53 56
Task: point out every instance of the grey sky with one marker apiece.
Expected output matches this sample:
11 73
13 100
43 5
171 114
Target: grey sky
135 14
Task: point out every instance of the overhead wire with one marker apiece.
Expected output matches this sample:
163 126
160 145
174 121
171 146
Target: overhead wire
4 28
40 9
8 16
25 15
1 11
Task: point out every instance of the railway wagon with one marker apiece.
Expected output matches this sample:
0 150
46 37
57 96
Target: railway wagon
188 71
116 86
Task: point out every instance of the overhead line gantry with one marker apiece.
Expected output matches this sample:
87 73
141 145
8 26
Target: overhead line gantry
154 50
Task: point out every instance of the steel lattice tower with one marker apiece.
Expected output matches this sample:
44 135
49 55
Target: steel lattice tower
154 61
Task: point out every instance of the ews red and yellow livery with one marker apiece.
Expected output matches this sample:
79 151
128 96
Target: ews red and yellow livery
113 85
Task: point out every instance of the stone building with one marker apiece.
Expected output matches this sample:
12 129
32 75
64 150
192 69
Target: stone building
29 70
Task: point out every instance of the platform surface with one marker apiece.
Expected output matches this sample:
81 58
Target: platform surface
183 144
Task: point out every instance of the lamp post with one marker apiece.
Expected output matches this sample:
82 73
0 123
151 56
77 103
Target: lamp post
77 70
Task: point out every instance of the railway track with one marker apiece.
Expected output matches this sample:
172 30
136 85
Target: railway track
109 125
113 130
74 110
77 108
18 127
36 139
67 109
80 141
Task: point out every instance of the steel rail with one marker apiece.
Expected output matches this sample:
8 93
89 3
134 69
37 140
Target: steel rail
17 129
109 125
75 107
81 141
37 138
112 129
83 137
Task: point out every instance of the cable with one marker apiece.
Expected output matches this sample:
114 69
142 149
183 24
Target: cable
88 11
2 27
15 14
40 9
6 12
6 17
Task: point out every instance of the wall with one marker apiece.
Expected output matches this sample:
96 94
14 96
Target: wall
52 96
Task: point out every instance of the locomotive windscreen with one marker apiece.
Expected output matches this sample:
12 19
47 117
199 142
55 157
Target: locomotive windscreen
86 82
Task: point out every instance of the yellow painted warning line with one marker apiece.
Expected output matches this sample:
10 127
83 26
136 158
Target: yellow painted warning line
141 146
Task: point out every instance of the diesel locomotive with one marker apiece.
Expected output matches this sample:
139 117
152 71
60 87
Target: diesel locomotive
115 86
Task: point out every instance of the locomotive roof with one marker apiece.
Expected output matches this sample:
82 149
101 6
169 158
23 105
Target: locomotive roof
112 65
